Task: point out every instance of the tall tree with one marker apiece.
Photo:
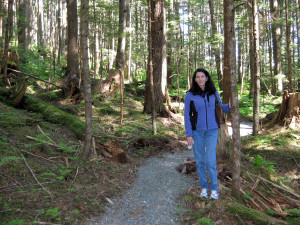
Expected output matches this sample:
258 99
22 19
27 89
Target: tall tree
72 74
229 48
150 68
120 58
86 76
8 35
215 44
276 35
22 24
256 67
230 72
288 40
158 36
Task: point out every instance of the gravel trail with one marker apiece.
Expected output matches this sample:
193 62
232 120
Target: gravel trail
152 198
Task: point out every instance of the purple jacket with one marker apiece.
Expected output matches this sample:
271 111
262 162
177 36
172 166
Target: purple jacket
206 112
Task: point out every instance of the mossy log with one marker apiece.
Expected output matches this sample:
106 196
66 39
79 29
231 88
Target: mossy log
252 214
50 113
55 115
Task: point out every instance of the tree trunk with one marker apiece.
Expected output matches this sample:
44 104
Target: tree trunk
150 69
120 58
256 67
215 44
276 34
230 72
289 111
229 48
251 53
72 74
128 49
22 21
288 40
8 34
158 37
86 76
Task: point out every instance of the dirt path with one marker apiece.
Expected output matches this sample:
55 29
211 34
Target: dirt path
152 198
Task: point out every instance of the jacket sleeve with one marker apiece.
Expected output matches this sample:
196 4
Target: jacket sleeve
225 107
187 122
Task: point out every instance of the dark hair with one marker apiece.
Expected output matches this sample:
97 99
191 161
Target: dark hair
209 85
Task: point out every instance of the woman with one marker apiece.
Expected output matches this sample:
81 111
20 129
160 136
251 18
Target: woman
202 130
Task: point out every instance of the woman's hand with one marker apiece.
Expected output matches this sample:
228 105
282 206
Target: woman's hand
190 141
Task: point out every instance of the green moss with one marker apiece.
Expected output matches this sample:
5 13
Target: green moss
55 115
252 214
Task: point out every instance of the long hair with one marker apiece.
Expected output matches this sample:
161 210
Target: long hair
209 85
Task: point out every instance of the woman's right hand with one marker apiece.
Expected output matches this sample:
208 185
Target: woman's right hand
190 141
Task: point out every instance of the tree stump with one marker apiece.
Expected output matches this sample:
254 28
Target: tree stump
112 149
289 111
18 93
222 144
110 85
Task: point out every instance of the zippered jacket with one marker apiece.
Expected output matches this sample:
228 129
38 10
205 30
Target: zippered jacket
205 109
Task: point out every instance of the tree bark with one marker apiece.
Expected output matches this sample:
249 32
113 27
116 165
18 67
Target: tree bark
256 96
72 73
150 69
230 71
22 21
8 34
229 48
276 34
158 37
86 76
215 44
289 110
120 58
288 41
251 53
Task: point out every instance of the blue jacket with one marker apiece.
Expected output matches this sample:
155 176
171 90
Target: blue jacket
206 112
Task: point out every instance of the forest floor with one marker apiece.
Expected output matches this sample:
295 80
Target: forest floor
43 179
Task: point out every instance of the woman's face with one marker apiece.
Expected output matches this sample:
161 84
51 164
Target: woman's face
201 79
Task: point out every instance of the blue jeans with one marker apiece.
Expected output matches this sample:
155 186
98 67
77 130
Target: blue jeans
204 148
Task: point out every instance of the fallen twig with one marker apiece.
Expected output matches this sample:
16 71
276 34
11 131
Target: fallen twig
46 135
36 155
45 142
35 176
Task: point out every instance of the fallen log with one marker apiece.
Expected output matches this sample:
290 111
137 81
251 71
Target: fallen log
188 166
113 150
254 215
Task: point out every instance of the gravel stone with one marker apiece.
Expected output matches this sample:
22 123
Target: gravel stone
152 198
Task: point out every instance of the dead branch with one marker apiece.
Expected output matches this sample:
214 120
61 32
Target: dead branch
44 142
36 155
279 187
46 135
37 78
35 176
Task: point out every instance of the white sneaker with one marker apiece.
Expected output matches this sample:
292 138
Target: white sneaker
203 193
214 195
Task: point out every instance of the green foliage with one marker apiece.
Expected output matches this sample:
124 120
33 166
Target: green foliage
204 221
260 162
76 211
56 115
38 63
8 159
15 222
52 212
